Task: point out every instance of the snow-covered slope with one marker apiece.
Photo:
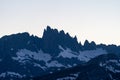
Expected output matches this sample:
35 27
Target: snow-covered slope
81 55
25 56
89 54
11 74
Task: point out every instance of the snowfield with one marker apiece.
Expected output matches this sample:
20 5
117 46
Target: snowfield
24 56
89 54
82 55
11 74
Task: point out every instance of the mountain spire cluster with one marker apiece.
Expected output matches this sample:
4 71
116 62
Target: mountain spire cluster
58 56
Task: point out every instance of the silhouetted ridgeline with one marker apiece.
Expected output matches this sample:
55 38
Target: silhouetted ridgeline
26 56
50 42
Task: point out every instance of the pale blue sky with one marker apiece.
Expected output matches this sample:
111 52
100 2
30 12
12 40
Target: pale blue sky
97 20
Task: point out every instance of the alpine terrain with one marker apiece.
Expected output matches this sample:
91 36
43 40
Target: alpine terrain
56 56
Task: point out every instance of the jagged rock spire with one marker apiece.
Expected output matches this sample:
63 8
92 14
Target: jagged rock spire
52 39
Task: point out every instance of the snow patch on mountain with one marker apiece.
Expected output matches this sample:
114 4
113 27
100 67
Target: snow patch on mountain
110 65
25 55
112 69
11 74
11 49
38 65
116 62
82 55
66 53
89 54
70 77
54 64
67 78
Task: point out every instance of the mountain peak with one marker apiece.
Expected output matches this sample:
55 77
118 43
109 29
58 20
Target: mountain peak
62 32
48 28
75 38
52 38
86 42
89 46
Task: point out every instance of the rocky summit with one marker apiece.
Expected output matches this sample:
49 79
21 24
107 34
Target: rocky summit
56 56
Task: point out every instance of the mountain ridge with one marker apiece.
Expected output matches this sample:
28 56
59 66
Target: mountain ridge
23 55
53 36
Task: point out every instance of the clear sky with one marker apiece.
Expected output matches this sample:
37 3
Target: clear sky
95 20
